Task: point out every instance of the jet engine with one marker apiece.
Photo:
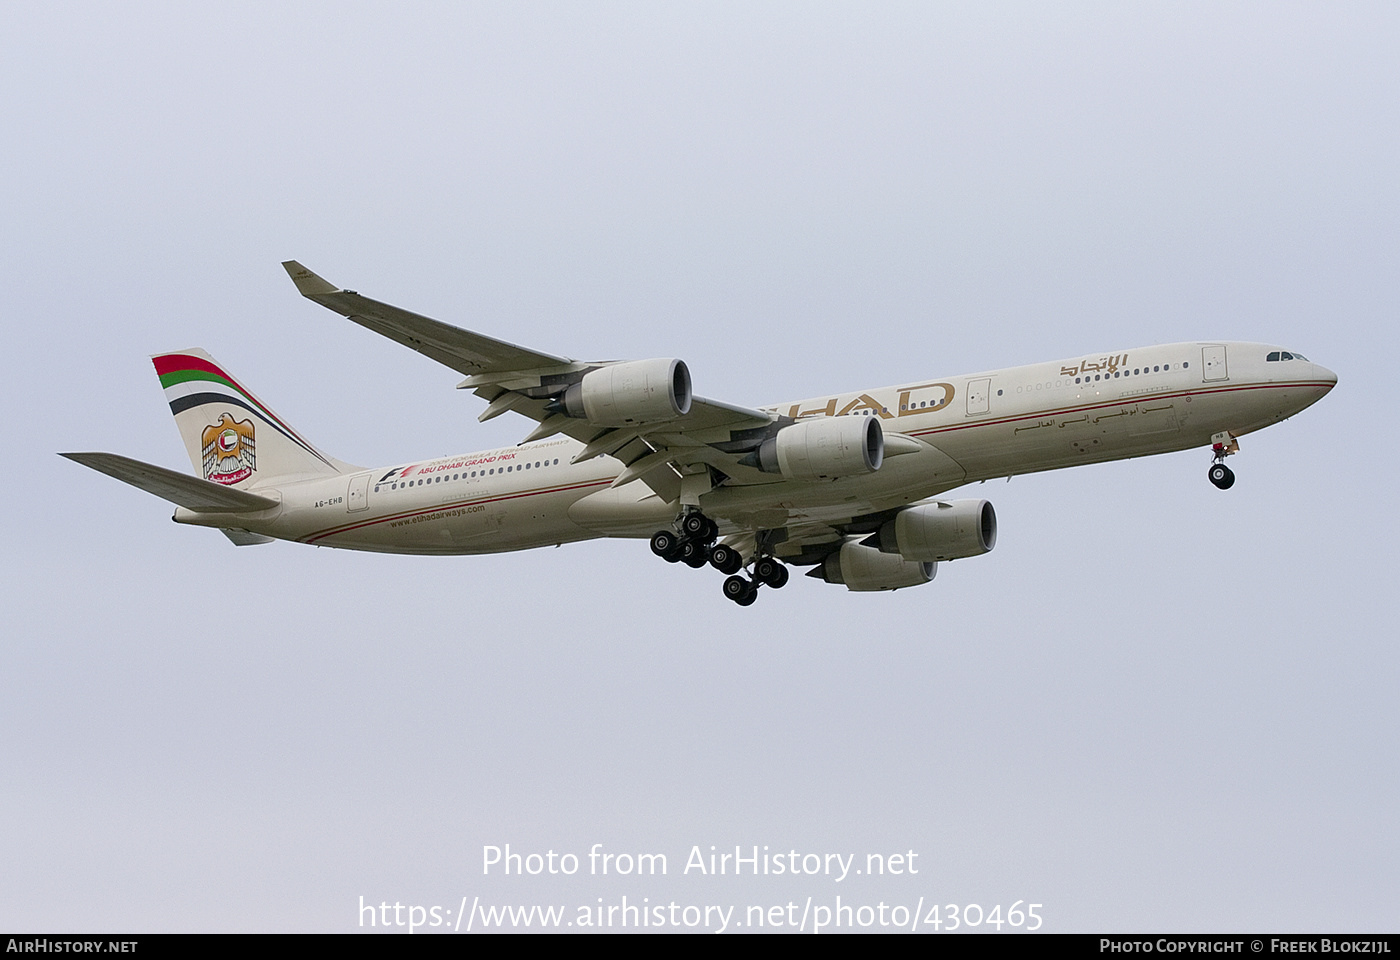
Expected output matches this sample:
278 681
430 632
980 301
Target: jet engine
638 391
939 531
863 568
825 448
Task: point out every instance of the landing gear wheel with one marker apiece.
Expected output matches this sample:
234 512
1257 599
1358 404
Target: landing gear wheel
725 559
694 554
741 591
699 527
1222 476
664 544
771 572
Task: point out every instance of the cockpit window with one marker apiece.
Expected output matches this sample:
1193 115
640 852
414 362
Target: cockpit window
1285 355
1271 358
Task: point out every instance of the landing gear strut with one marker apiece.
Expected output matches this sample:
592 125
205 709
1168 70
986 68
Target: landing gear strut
1222 445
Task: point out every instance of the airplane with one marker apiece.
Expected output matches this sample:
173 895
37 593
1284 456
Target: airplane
850 484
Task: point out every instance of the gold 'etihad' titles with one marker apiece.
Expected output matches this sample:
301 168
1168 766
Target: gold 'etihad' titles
909 403
932 397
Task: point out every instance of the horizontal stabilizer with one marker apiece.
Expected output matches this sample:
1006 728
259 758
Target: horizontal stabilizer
180 489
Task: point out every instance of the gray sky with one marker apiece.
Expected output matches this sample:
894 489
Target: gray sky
1155 706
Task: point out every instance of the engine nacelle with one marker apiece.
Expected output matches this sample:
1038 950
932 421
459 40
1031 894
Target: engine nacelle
864 568
825 448
941 531
638 391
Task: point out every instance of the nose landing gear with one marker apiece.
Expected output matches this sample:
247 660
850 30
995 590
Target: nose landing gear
1222 445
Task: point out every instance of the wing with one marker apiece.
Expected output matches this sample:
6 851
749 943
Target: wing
463 351
677 454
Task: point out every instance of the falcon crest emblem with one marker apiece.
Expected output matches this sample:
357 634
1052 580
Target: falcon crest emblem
228 451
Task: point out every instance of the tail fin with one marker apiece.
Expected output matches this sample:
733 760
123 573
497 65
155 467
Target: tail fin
232 437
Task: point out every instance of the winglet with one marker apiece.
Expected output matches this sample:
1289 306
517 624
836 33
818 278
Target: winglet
308 284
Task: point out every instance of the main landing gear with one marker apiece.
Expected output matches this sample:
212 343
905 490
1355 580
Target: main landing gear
695 546
1222 445
692 546
767 572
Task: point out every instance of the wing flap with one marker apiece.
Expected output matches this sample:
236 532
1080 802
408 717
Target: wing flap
180 489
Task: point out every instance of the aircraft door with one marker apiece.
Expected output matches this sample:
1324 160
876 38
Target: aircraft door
977 391
1213 364
357 495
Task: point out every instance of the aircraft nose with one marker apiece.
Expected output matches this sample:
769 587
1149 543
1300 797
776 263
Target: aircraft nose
1327 376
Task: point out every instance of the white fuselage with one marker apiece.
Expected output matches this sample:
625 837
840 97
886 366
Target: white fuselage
973 427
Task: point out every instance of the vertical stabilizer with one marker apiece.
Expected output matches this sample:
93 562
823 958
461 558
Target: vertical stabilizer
231 436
